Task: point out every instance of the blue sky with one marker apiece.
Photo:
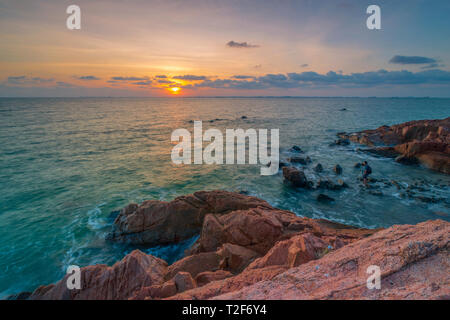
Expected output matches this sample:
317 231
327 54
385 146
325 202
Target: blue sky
212 47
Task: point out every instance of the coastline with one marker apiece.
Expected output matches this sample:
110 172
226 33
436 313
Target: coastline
250 250
246 246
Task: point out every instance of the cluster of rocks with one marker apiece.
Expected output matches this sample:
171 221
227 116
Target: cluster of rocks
249 249
424 141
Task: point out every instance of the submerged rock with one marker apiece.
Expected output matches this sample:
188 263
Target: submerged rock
301 160
324 198
296 149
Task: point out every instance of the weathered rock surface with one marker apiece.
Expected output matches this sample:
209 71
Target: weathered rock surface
427 141
159 222
414 263
295 177
210 276
101 282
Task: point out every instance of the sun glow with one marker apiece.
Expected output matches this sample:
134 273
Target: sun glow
175 90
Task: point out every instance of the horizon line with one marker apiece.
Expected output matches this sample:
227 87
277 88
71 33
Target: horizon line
222 97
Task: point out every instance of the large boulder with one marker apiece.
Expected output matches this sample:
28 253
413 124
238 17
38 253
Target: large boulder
258 229
293 252
160 222
101 282
295 177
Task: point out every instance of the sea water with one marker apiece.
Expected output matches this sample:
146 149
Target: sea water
66 164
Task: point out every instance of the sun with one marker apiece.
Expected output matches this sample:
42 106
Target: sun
175 90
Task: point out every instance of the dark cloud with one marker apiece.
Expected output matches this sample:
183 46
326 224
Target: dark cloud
191 77
88 78
333 79
234 44
304 65
143 83
165 82
242 77
161 76
24 80
411 60
62 84
129 78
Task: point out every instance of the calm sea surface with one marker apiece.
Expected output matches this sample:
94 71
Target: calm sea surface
66 164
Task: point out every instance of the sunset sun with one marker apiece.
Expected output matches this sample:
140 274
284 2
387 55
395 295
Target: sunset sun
175 90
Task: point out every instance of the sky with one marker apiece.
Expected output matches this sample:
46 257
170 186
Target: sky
224 48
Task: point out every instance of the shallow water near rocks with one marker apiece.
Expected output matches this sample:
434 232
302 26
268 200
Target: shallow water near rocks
66 164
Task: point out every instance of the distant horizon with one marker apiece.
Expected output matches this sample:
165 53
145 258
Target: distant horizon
225 97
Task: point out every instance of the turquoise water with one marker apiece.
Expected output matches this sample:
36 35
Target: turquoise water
66 164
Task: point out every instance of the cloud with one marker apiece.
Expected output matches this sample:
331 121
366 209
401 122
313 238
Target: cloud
166 82
62 84
234 44
190 77
333 79
88 78
161 76
304 65
242 77
129 78
143 83
24 80
411 60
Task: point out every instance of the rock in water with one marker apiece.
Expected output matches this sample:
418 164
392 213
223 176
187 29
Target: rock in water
426 141
296 149
318 168
159 222
324 198
303 161
338 169
296 177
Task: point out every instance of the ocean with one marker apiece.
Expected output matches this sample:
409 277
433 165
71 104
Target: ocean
67 164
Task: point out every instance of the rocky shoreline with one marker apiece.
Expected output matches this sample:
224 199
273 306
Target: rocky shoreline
423 141
248 249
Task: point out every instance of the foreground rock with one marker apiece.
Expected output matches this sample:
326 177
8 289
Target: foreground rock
425 141
264 252
100 282
413 260
160 222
